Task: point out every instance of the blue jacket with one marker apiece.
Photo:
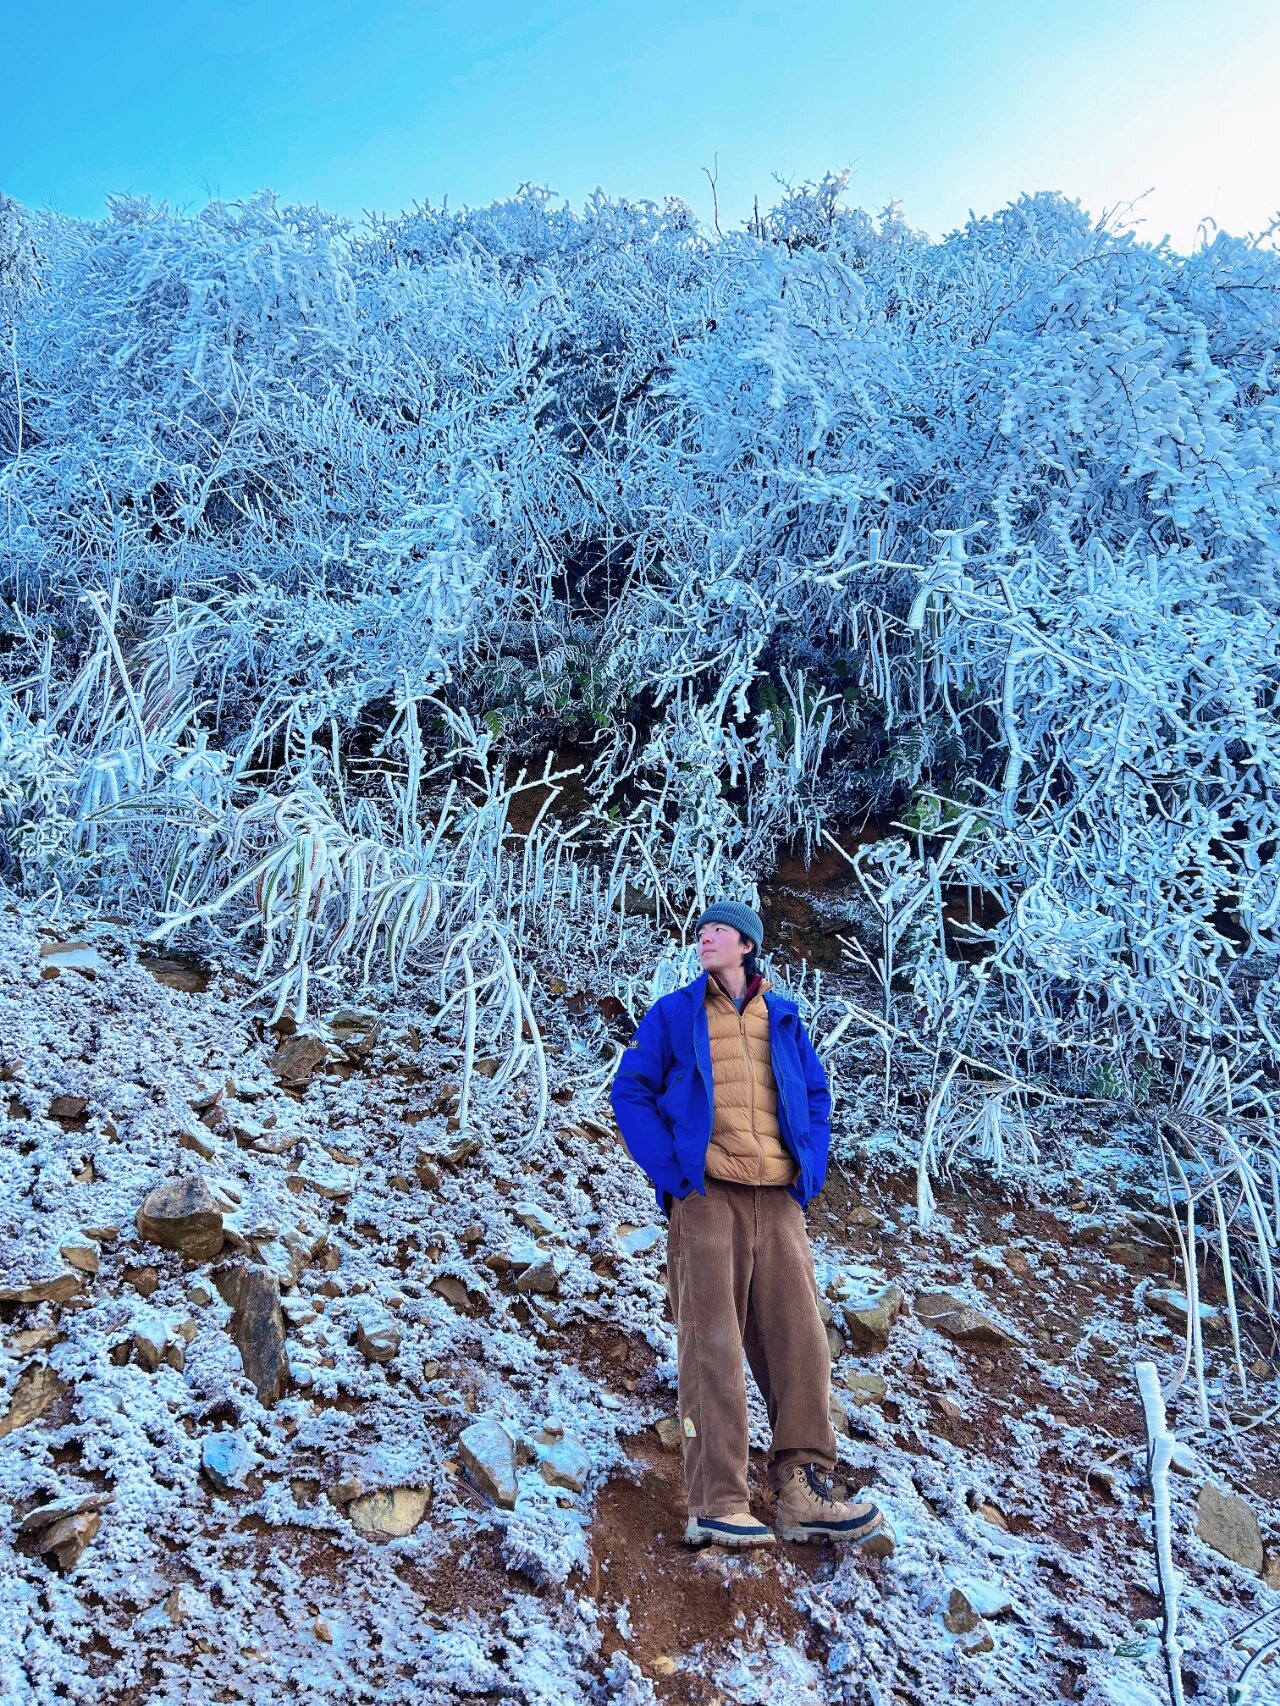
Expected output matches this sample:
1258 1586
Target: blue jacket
662 1094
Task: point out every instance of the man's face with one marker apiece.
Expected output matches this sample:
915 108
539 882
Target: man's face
720 948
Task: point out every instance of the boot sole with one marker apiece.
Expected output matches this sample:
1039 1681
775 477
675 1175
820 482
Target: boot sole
697 1534
878 1541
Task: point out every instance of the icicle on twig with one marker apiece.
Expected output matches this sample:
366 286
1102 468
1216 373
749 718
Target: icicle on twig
1160 1443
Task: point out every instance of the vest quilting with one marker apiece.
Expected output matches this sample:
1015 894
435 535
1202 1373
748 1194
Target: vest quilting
746 1143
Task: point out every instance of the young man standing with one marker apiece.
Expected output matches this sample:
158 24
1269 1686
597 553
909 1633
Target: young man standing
722 1100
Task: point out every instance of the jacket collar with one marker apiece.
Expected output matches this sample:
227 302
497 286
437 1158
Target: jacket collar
696 992
753 984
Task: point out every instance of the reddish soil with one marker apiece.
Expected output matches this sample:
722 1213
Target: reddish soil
677 1599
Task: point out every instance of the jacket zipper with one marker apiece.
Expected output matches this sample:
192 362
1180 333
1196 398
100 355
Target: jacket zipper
751 1093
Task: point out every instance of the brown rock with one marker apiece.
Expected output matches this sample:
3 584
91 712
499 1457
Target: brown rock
1092 1231
457 1154
539 1276
216 1119
83 1256
865 1388
667 1429
182 1215
198 1145
959 1320
868 1320
1173 1305
67 1107
35 1339
379 1340
394 1512
488 1451
257 1326
1229 1524
145 1281
148 1347
349 1154
882 1544
985 1643
106 1234
564 1463
44 1516
38 1389
969 1606
69 1537
451 1287
286 1256
357 1031
297 1058
177 1606
56 1289
960 1617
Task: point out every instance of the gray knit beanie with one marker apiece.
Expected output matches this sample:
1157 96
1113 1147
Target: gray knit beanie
735 913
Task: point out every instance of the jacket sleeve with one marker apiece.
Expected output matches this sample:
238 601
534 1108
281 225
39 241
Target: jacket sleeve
637 1084
819 1093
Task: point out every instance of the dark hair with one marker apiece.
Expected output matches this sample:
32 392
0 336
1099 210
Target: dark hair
750 964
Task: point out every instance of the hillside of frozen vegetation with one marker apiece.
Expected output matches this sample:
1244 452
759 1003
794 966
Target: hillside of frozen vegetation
406 629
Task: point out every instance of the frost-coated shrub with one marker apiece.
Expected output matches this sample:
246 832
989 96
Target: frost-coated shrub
811 518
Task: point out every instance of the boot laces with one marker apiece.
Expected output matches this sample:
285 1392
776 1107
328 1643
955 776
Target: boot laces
819 1481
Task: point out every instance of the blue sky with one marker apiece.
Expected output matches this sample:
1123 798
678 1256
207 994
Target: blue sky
372 105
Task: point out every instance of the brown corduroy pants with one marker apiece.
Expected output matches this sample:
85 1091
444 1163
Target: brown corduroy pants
740 1278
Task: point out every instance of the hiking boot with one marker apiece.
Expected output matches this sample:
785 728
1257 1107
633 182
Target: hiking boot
808 1509
739 1528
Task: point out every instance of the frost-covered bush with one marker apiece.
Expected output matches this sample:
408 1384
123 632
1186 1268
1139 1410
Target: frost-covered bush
805 520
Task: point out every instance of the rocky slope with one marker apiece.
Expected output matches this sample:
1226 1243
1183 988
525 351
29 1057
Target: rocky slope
311 1392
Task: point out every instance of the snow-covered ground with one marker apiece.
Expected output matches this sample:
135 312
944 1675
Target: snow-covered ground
541 1561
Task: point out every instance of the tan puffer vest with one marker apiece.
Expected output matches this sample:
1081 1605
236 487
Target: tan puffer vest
746 1145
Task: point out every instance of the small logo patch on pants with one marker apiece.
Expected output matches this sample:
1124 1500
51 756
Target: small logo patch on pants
689 1427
